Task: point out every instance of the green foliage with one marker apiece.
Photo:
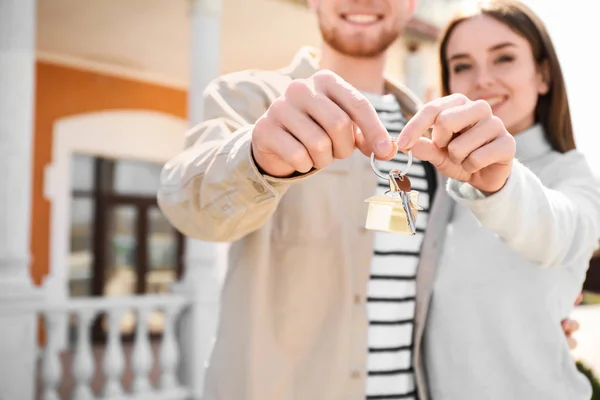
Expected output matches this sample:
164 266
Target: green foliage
591 298
593 379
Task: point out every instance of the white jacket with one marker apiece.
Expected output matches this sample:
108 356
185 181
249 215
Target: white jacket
511 269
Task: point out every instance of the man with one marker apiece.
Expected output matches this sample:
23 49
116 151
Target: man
314 306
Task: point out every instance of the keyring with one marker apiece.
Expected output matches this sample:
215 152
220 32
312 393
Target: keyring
386 177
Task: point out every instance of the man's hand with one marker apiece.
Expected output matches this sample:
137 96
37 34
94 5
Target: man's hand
468 143
316 121
571 326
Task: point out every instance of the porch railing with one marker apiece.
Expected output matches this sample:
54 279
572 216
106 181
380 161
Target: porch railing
85 310
131 367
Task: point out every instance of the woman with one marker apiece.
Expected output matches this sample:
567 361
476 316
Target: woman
512 284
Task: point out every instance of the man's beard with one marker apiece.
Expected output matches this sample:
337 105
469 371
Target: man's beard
359 49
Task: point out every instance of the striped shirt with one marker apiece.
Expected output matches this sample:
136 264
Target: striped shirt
391 291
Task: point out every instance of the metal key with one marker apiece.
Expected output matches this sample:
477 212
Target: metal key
395 211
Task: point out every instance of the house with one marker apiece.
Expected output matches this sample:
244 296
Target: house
96 96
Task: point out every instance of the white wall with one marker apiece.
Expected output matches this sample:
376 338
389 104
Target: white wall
575 31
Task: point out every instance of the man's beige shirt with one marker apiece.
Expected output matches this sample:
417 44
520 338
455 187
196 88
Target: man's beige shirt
293 322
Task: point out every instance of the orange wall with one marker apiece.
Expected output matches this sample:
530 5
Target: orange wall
62 92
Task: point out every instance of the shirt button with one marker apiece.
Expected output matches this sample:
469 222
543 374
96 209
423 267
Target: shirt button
259 188
355 374
357 299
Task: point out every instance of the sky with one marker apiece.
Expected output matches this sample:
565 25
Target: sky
575 30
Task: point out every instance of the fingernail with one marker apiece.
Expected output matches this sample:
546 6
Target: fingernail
402 142
383 147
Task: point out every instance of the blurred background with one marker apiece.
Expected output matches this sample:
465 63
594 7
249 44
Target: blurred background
107 89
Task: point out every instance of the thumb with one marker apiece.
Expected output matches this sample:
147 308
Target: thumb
426 150
361 144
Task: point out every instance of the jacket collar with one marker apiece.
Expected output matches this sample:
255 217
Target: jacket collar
532 143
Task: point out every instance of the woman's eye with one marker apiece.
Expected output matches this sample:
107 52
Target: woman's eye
505 58
457 68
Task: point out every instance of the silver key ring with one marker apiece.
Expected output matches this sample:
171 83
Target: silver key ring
387 177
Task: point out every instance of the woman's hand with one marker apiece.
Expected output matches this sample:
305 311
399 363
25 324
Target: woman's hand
468 143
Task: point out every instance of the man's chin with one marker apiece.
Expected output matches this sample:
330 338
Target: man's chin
359 50
359 47
364 52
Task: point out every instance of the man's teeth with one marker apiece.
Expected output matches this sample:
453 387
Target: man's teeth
361 18
494 100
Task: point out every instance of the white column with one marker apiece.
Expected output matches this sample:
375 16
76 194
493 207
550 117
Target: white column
198 323
17 65
205 52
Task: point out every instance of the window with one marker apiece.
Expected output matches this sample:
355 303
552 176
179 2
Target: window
121 243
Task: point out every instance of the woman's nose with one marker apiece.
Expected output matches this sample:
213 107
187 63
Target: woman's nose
484 78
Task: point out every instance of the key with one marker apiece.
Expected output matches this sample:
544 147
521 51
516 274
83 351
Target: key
396 210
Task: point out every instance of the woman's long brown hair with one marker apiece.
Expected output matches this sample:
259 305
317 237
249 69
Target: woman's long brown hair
552 110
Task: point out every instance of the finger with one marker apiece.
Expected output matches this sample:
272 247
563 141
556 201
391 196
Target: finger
361 144
281 151
570 326
316 141
361 112
480 134
426 150
293 153
579 299
454 121
425 118
572 343
574 326
330 118
499 151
